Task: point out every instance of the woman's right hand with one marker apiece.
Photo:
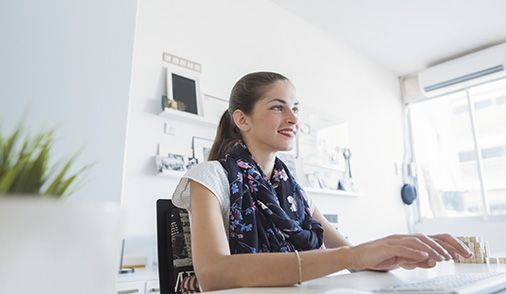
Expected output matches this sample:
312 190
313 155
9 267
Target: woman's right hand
407 251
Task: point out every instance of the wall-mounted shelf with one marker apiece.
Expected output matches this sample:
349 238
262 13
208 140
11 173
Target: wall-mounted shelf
330 192
187 117
329 167
171 174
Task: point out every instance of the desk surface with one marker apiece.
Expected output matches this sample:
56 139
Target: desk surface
373 280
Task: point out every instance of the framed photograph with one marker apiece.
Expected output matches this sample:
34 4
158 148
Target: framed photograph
312 181
214 107
191 162
330 179
183 90
201 148
321 180
170 163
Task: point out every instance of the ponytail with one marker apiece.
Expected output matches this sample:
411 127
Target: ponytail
227 135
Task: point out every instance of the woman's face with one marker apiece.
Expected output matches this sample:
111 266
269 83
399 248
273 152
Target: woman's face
273 123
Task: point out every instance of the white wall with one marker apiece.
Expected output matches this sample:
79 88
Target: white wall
231 38
68 64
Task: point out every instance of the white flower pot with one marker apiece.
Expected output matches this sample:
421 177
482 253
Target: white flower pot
58 246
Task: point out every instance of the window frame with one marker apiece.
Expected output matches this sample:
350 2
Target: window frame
410 164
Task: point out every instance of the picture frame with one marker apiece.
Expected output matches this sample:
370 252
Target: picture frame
321 180
191 162
183 90
313 181
214 107
201 148
170 163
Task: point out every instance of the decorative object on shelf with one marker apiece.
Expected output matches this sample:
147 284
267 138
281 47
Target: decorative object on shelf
320 176
201 148
171 162
183 91
480 249
214 107
321 180
174 165
321 141
173 104
183 85
346 182
335 156
192 161
312 181
182 62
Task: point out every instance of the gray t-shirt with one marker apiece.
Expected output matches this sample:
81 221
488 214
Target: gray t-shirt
213 176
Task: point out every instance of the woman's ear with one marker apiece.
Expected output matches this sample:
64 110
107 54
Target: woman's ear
241 120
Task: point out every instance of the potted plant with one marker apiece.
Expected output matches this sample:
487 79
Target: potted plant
49 243
24 167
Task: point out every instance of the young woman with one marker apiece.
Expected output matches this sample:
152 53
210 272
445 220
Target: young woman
252 224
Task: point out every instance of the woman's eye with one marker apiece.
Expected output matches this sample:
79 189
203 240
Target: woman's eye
278 108
295 110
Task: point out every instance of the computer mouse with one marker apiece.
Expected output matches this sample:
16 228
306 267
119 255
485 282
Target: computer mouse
348 291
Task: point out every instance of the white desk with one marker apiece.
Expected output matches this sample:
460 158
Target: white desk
142 281
373 280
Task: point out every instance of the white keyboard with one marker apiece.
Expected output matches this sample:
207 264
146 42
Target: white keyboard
453 284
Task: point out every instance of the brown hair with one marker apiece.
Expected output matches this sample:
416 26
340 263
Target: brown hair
245 94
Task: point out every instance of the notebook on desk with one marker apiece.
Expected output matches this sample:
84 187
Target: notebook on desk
475 283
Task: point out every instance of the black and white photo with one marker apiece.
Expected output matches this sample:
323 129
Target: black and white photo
170 163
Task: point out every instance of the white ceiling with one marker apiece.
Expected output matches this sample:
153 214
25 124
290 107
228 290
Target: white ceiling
406 36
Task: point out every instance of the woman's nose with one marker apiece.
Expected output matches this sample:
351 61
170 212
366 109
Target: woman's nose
293 117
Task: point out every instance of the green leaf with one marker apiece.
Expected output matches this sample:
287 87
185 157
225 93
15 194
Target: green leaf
24 166
8 178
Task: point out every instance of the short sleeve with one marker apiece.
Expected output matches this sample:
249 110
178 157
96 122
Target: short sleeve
211 175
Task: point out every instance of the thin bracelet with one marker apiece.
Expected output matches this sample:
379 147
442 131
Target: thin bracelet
299 265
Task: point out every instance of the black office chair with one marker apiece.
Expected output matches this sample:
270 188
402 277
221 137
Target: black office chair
175 266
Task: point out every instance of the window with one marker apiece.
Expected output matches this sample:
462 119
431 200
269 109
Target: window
459 148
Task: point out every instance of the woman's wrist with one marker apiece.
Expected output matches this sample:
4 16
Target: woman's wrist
344 257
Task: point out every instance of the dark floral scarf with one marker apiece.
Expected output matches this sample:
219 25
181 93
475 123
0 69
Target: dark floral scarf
267 216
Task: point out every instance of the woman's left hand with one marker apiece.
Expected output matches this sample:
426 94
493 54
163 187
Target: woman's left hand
447 246
452 245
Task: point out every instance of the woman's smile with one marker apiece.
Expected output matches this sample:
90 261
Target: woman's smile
289 132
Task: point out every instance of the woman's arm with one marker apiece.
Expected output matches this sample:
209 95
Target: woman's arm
331 237
216 268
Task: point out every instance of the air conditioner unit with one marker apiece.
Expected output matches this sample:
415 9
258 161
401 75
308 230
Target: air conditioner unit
469 70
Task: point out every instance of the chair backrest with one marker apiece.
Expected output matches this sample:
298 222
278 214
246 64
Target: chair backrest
175 266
